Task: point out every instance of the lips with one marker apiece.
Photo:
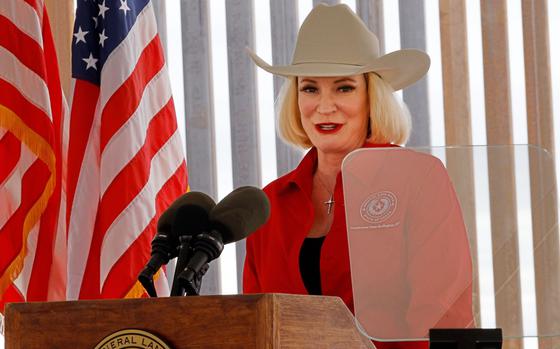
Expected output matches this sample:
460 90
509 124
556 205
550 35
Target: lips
328 128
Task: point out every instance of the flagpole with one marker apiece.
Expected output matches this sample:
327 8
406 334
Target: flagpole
61 15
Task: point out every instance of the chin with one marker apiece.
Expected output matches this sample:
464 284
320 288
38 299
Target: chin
337 147
333 148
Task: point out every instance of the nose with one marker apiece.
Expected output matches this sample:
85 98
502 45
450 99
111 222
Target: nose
326 104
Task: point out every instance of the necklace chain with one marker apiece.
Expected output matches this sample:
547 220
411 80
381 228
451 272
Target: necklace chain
329 203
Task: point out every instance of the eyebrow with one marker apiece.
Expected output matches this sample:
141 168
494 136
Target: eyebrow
336 82
344 79
308 80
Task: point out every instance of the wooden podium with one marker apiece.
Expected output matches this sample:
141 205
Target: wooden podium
239 321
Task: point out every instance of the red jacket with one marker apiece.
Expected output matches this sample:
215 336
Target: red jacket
272 260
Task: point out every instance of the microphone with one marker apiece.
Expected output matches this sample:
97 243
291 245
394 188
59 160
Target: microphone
240 213
165 244
190 218
235 217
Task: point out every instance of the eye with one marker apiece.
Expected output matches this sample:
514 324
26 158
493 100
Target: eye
346 88
308 89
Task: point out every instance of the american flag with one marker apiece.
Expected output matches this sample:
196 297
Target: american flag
32 111
125 158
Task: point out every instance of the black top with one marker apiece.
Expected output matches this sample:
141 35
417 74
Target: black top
309 264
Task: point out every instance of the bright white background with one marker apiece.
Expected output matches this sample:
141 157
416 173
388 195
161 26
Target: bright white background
392 42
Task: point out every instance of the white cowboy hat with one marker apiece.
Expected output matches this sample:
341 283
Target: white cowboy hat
333 41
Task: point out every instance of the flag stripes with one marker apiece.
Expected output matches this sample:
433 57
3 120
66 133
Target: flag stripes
23 280
138 168
32 188
25 17
133 257
82 206
125 159
37 186
31 116
163 165
28 83
84 100
18 162
10 152
131 136
22 46
125 100
38 6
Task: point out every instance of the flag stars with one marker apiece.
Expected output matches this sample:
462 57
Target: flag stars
102 9
124 6
102 38
80 35
91 62
95 20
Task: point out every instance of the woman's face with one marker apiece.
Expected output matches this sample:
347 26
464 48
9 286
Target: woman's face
334 111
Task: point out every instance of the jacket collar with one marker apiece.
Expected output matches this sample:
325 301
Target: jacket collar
302 175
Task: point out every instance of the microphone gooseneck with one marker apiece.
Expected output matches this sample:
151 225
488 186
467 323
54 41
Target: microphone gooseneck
206 247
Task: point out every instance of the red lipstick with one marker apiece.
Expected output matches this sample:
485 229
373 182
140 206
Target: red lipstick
328 128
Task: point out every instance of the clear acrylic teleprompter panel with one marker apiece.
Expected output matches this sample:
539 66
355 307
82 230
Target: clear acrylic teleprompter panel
414 264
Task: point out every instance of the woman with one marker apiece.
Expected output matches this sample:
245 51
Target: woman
338 98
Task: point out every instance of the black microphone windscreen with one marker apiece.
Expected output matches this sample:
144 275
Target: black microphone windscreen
165 221
191 214
167 218
240 213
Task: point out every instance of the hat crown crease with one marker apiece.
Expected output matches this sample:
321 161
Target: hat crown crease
324 38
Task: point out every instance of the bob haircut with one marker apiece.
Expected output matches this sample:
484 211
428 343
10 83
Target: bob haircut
389 120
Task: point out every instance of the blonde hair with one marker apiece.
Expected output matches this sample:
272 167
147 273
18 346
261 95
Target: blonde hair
389 120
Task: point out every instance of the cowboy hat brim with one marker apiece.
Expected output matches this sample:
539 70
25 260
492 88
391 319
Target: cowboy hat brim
399 68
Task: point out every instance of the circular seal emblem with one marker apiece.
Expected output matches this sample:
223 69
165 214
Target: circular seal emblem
131 338
378 207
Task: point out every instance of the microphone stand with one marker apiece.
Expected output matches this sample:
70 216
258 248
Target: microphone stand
182 260
204 248
160 255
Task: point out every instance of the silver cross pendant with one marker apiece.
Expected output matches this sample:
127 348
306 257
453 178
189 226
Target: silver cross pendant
329 204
